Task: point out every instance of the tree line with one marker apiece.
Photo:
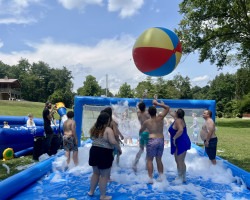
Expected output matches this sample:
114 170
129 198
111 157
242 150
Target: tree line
40 83
218 31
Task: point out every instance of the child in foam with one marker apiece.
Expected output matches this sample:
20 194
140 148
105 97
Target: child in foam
30 121
6 125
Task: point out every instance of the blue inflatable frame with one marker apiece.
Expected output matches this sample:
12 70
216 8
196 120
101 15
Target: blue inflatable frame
80 101
15 184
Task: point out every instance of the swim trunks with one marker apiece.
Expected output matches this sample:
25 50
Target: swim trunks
144 138
212 147
155 147
69 143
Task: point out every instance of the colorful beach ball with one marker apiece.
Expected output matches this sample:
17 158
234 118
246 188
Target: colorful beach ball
157 51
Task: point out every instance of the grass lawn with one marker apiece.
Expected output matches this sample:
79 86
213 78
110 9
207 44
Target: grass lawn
233 136
15 165
22 108
234 141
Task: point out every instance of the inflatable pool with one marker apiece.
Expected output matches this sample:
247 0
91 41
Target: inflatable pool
19 137
49 180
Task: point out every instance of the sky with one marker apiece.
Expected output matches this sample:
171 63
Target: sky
92 37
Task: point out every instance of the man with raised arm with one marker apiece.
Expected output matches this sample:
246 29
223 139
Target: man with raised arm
208 136
155 145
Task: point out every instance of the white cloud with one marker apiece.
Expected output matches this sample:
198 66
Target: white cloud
200 78
126 8
109 56
17 11
200 81
79 4
14 20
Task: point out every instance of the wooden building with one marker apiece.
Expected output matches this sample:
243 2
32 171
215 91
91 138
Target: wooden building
10 89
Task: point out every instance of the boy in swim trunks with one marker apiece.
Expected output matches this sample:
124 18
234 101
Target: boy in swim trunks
155 145
70 142
142 115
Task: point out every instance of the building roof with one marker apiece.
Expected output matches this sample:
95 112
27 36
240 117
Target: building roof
14 82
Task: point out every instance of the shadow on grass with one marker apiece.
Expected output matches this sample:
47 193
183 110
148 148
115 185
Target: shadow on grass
234 124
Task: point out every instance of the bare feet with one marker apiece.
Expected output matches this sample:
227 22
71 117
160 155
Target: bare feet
105 197
150 181
90 194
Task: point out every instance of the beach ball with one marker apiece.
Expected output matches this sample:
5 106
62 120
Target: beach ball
157 51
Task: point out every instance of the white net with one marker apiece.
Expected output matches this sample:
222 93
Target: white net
129 126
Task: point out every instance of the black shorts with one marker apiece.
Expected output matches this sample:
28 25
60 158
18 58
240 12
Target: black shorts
101 157
211 149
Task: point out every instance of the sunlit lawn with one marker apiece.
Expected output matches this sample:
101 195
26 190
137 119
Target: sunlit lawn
234 141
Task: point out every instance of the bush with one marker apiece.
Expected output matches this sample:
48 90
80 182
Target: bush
219 114
239 115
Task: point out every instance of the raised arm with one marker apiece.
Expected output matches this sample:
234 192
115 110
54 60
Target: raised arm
164 106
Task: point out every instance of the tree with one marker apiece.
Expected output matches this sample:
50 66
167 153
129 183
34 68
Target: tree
90 87
4 70
219 30
200 93
145 86
244 104
109 94
171 91
242 82
125 91
183 85
222 88
160 88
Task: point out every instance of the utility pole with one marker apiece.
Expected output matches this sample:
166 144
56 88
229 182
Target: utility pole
106 85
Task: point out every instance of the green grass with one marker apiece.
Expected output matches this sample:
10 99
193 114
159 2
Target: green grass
14 165
233 135
23 108
234 141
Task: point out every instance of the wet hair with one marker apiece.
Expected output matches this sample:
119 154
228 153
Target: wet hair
108 110
70 114
100 125
180 113
152 111
142 106
30 115
209 112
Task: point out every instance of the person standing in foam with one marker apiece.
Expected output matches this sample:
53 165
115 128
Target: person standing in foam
208 136
142 115
155 145
114 126
70 142
101 154
180 143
